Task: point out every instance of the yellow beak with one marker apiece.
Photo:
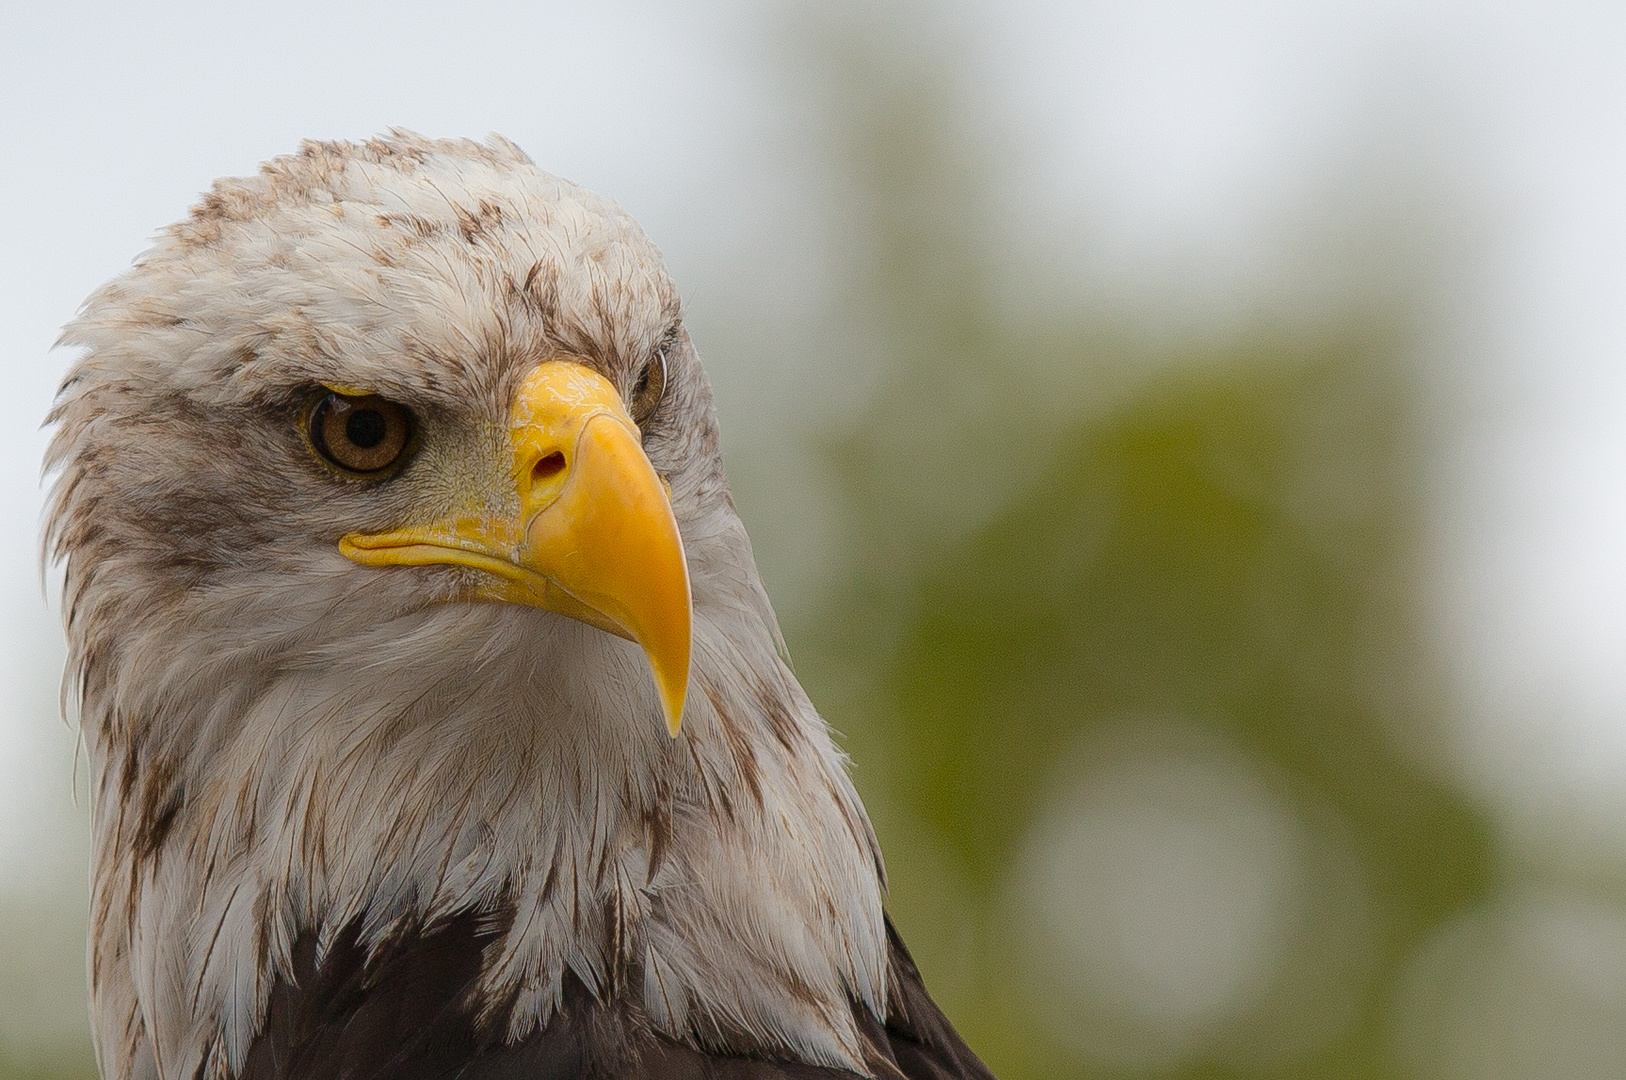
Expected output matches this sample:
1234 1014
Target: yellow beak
595 538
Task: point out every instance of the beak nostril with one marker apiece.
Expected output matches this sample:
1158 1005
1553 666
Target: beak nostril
549 467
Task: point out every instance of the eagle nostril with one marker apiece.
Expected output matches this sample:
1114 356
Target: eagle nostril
549 467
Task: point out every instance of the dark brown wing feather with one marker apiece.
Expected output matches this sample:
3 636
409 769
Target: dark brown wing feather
923 1043
409 1014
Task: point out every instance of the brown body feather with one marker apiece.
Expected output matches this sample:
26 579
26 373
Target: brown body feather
411 1013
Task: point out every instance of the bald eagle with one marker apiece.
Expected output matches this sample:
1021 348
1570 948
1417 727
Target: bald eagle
437 720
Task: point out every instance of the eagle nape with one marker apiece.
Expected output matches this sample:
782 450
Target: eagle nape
432 702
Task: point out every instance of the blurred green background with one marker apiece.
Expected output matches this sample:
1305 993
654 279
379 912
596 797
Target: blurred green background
1164 634
1124 615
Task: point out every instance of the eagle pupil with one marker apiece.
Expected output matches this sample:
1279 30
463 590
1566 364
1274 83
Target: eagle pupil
365 428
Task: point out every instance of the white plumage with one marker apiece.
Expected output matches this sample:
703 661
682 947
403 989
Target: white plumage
284 742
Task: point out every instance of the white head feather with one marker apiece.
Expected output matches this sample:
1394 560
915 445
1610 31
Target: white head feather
281 739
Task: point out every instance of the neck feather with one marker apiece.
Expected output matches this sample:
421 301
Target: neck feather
381 771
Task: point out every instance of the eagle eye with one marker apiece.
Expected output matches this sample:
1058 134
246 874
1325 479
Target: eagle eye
362 434
650 388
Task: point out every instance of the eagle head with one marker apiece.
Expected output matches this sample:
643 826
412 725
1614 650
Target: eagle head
435 712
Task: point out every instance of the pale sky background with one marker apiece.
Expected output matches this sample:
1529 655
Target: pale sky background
1184 145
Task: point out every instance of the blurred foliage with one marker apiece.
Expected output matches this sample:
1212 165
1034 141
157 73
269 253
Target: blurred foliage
1037 551
70 1061
44 1034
